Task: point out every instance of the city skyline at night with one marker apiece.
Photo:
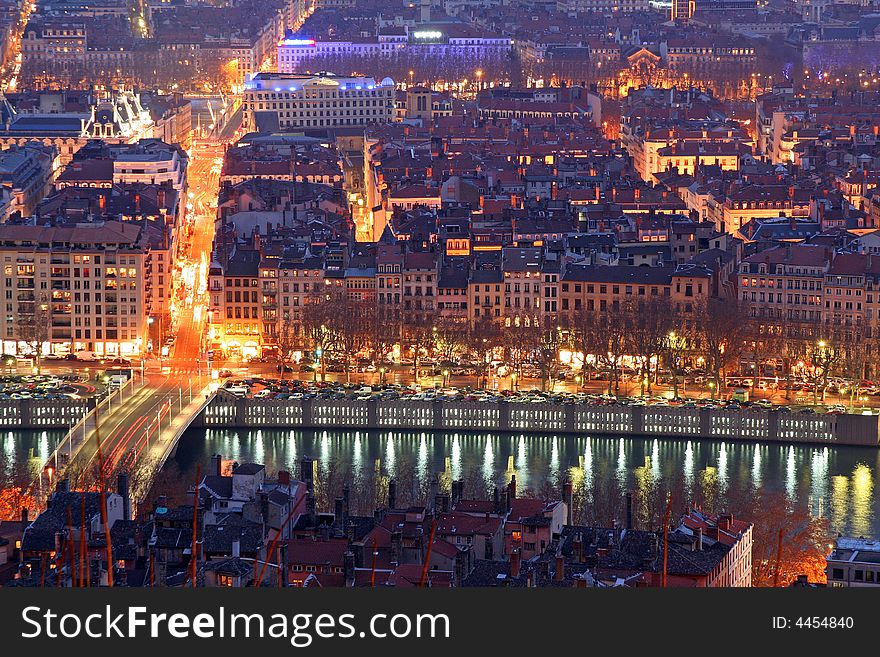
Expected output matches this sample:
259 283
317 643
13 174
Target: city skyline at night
325 293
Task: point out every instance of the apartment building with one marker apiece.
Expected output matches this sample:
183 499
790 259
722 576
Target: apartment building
485 295
608 288
522 286
84 286
785 286
317 101
419 275
26 171
855 562
746 202
236 305
151 162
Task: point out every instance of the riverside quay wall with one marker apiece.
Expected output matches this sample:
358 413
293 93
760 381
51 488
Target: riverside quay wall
227 410
43 413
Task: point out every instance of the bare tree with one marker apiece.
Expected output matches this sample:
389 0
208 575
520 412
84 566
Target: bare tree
520 343
419 335
317 320
852 363
601 335
287 340
648 323
451 337
786 540
723 328
33 329
824 356
351 322
484 337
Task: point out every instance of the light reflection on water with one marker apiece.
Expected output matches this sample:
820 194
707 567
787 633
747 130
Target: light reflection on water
837 482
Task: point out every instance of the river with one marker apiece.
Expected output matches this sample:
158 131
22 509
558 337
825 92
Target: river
835 482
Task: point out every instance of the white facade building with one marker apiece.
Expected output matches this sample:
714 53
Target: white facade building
318 101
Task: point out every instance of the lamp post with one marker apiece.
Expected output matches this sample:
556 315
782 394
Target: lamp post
382 371
445 378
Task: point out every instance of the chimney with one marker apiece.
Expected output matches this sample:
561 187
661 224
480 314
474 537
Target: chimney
122 489
24 519
577 548
559 575
338 513
568 498
282 562
544 568
348 568
217 464
515 560
236 548
432 498
397 547
63 486
698 544
457 492
629 510
511 491
346 499
283 478
324 530
392 494
307 473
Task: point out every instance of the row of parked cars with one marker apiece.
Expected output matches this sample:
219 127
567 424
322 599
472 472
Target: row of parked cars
263 388
40 386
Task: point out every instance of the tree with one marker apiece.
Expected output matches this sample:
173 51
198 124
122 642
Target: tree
451 337
722 329
317 320
763 342
520 344
852 363
550 340
823 355
601 335
33 328
419 334
648 323
677 345
351 322
484 337
384 335
287 340
805 539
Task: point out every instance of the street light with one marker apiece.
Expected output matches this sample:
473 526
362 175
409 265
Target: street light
445 378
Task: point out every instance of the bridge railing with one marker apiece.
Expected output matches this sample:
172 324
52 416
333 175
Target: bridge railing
66 450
